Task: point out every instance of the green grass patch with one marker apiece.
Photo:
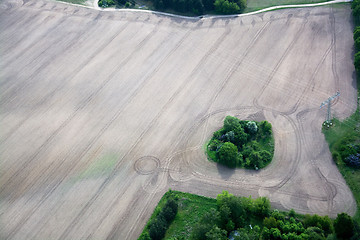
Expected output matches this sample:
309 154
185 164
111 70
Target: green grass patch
335 135
191 209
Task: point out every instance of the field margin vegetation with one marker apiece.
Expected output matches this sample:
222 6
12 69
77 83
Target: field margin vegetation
343 137
232 217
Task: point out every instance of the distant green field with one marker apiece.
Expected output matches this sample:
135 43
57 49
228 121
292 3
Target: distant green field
254 5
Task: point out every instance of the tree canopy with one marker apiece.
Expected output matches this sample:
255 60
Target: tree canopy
247 144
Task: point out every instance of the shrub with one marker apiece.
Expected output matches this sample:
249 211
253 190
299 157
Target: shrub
144 236
357 61
292 213
265 127
355 5
106 3
353 160
336 157
231 123
270 222
226 7
216 234
344 226
262 206
158 228
357 33
227 154
251 127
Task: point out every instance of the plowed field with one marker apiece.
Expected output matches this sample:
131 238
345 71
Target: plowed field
101 112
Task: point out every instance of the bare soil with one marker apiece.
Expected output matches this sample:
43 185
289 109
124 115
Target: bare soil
104 111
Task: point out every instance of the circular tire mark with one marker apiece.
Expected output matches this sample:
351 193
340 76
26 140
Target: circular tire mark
146 165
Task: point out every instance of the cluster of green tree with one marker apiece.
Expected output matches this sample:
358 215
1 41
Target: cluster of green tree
247 144
199 7
116 3
233 214
157 227
106 3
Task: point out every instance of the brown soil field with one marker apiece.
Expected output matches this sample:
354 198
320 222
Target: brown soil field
104 111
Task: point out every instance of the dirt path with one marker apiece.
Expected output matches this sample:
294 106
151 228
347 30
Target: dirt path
104 111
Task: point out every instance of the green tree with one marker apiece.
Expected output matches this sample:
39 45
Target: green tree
344 226
206 223
251 128
144 236
225 214
270 222
355 5
228 154
240 137
255 160
242 234
357 44
292 213
265 156
315 233
265 127
231 123
356 33
275 234
216 234
157 229
226 7
262 206
315 220
357 61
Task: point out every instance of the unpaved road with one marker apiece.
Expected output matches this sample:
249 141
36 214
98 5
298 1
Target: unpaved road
103 112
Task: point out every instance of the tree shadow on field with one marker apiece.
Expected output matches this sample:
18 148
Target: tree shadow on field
225 172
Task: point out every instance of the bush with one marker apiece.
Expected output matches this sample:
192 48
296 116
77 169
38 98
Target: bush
353 160
106 3
226 7
357 61
144 236
336 157
251 128
158 227
323 223
344 226
227 154
356 33
231 123
262 206
216 234
265 127
355 5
